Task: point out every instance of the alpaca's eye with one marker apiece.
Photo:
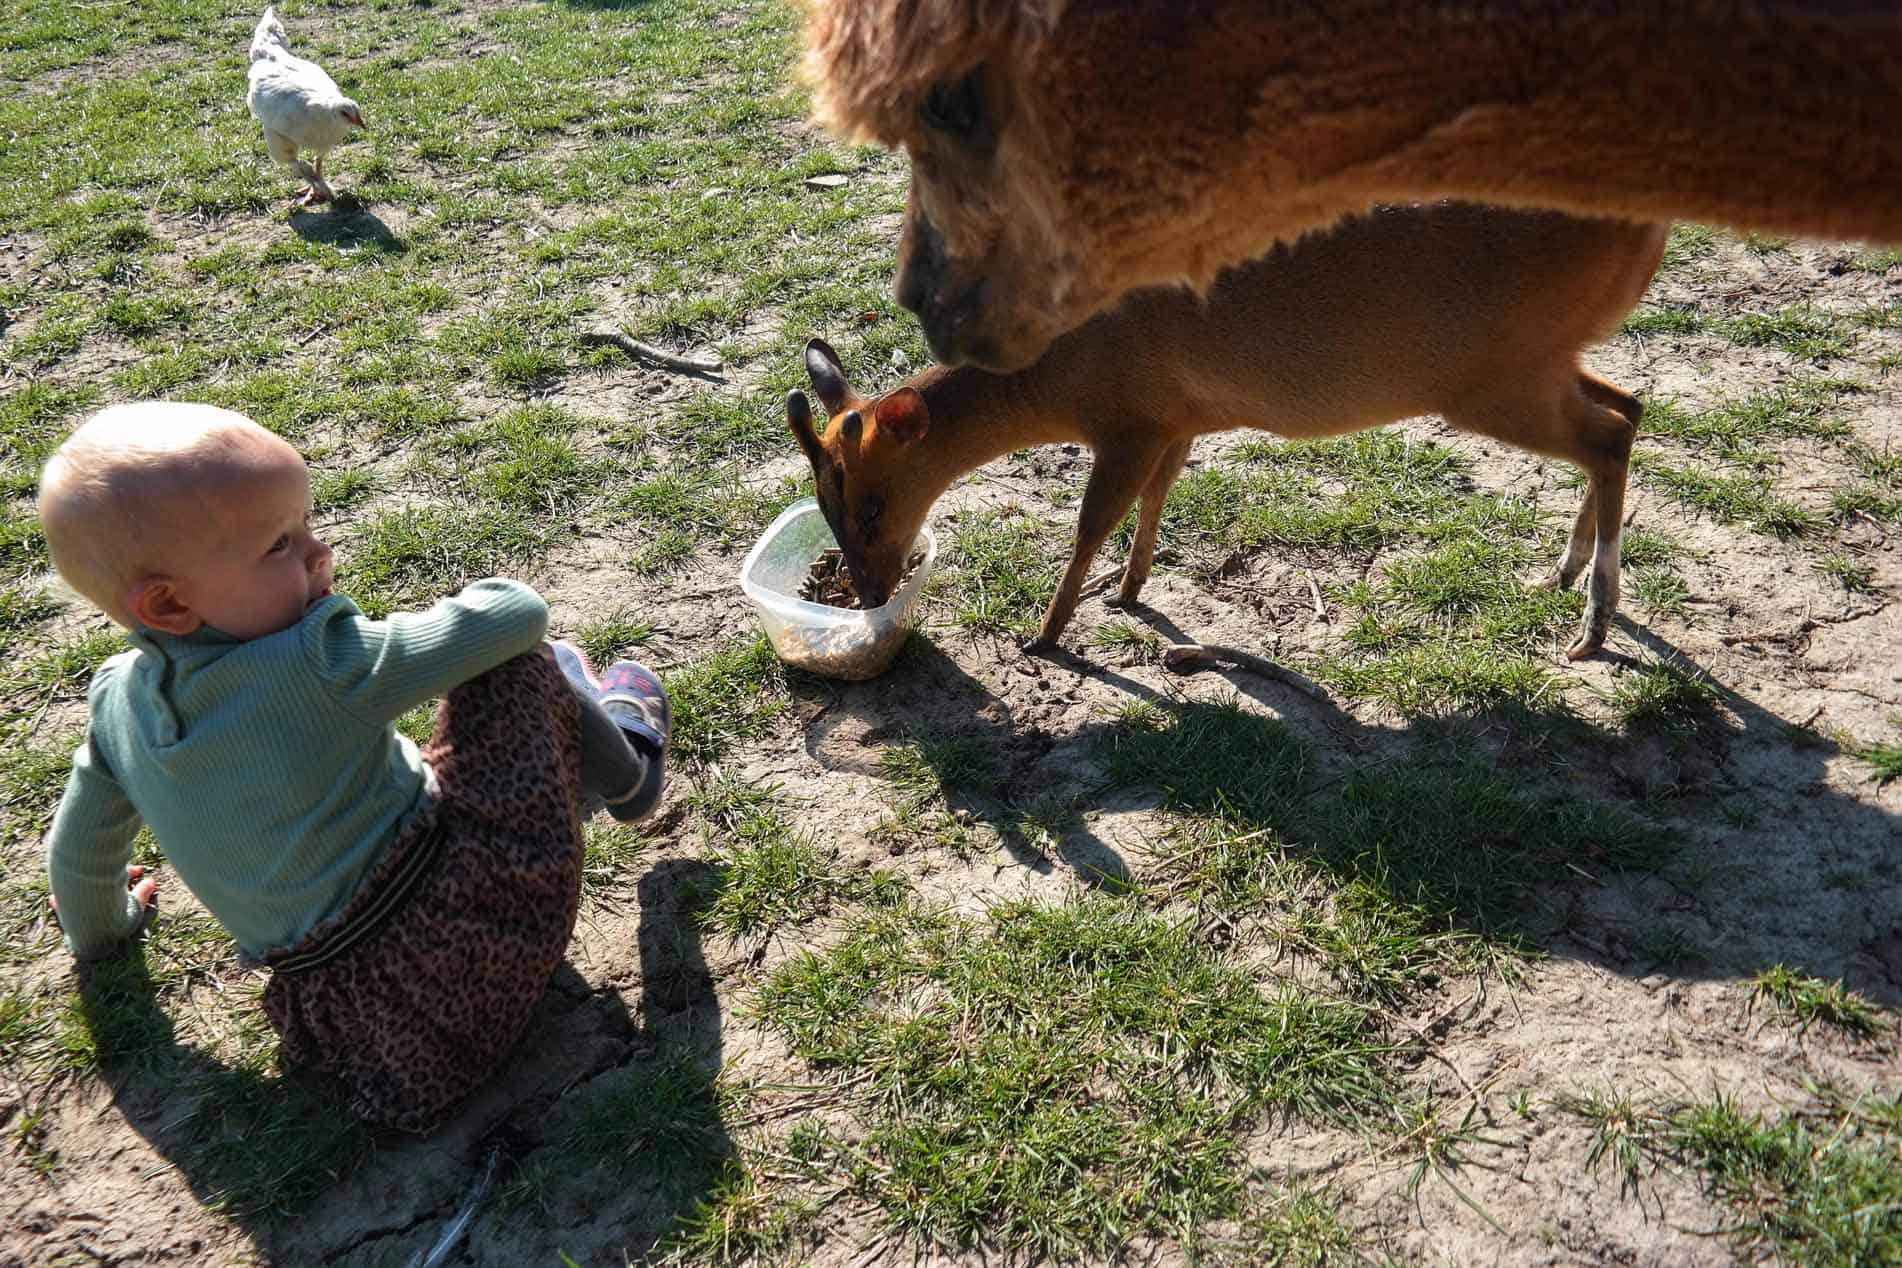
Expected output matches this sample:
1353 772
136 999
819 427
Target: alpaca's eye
955 107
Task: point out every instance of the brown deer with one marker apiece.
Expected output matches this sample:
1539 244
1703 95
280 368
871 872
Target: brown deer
1066 151
1475 313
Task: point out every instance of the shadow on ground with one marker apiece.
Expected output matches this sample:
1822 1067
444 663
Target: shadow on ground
1716 852
594 1114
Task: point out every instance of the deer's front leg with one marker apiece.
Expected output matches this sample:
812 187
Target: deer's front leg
1114 484
1142 551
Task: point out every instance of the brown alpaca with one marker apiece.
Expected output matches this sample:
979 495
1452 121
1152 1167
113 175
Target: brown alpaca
1475 313
1066 151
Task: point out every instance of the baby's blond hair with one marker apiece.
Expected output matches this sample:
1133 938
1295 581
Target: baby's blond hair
116 496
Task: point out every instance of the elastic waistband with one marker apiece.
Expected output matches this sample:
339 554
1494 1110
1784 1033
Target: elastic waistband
383 904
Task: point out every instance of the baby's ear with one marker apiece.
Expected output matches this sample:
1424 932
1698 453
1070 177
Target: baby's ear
154 603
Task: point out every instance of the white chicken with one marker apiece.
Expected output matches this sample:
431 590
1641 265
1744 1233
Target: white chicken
300 107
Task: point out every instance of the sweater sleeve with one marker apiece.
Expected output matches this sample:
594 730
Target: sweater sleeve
376 670
86 853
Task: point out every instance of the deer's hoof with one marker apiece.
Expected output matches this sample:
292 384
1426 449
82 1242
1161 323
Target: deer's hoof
1585 646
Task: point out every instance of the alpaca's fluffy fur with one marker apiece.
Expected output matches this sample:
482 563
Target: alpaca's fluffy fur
871 61
1136 142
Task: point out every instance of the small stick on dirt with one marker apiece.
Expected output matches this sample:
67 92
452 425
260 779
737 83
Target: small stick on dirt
1187 658
1314 590
459 1225
647 352
1768 636
1426 1046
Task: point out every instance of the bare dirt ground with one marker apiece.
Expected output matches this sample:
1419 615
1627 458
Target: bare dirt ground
1787 851
1790 856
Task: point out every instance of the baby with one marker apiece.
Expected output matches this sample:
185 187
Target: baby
410 905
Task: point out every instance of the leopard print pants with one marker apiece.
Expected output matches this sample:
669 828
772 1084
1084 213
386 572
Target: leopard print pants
415 1010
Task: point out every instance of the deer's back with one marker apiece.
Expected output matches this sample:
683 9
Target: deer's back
1404 311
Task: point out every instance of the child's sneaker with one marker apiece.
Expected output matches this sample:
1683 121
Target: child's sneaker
632 695
574 666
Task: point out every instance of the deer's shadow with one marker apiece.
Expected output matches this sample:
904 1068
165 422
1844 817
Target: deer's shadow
1723 850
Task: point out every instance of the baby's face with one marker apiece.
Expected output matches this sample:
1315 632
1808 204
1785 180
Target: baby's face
252 566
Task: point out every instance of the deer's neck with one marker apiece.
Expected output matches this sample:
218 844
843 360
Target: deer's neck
977 416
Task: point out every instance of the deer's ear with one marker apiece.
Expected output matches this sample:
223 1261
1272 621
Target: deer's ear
828 380
799 423
903 417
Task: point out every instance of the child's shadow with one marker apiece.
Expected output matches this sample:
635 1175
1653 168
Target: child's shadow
248 1141
592 1107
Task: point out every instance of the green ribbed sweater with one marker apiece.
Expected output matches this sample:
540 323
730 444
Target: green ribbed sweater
269 770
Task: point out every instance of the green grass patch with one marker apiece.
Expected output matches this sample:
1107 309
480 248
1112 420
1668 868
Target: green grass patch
1804 332
1810 1000
1851 575
1819 1186
742 1221
1661 590
33 774
998 574
1823 1191
934 768
411 558
1688 243
1747 499
613 637
1663 698
1062 1080
1734 429
610 855
1867 499
730 696
770 874
533 466
1665 319
271 1145
1138 643
1409 852
662 1118
1886 759
21 613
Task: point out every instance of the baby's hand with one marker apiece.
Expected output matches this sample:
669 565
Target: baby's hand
146 891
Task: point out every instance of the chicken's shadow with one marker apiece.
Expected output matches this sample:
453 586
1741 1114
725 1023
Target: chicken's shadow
348 225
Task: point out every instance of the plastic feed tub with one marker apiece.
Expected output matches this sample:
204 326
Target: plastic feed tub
817 637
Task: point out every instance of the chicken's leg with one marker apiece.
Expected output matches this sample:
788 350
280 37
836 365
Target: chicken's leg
315 190
284 150
323 192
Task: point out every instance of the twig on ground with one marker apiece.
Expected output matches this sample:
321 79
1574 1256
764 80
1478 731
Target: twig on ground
647 352
1314 591
1809 622
459 1225
1187 658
